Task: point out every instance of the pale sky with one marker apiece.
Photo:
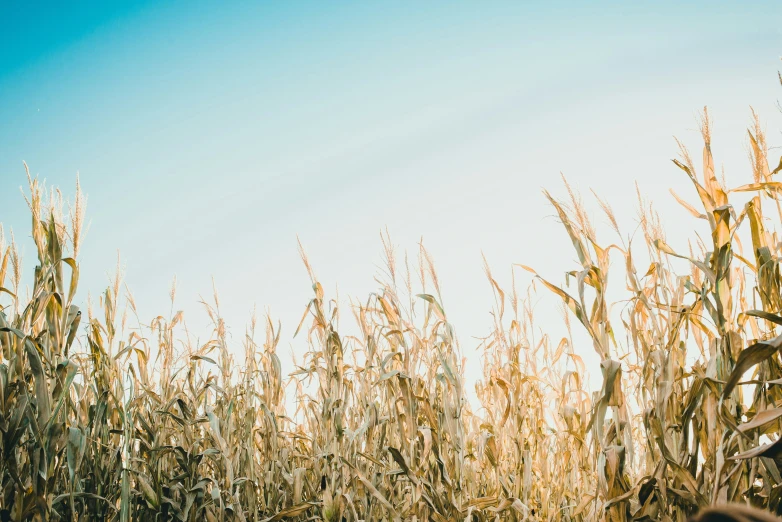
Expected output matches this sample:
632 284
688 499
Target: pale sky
208 135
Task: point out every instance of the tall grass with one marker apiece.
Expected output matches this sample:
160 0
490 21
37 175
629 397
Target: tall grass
105 415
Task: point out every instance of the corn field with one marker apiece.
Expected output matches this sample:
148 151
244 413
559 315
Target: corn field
108 415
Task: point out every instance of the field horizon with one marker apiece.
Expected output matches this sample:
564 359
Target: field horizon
106 415
358 262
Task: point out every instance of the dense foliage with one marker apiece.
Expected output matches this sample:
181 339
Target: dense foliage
112 417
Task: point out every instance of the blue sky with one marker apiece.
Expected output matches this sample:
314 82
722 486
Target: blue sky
208 135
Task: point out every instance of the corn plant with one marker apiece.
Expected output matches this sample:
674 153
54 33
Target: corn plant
110 414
